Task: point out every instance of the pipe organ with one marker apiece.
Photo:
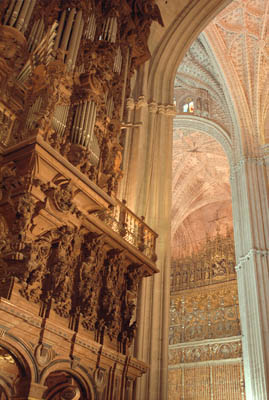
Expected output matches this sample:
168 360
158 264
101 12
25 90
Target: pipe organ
72 256
90 53
83 125
18 14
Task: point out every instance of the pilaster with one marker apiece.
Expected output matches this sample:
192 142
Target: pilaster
251 222
150 168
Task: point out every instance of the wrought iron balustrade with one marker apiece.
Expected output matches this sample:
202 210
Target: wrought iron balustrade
131 228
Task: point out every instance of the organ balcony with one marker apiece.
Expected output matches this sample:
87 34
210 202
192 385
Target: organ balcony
72 256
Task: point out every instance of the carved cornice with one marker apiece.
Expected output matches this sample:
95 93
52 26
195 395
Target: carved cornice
205 351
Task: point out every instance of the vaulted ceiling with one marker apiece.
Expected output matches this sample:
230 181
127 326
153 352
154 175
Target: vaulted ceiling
230 62
201 191
239 37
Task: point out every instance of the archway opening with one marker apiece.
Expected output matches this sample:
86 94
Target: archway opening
13 378
64 386
205 355
205 349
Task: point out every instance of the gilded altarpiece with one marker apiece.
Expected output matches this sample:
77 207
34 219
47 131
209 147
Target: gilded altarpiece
205 351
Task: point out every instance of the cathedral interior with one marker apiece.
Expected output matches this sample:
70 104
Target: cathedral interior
134 199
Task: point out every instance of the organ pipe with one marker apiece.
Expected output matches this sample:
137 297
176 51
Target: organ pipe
110 28
67 30
118 61
91 28
75 40
127 56
19 13
60 30
84 121
33 111
60 118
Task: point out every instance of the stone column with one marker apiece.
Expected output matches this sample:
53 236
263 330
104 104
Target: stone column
36 392
149 172
251 227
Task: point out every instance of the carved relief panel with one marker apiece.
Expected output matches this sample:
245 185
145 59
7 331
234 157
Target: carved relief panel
210 314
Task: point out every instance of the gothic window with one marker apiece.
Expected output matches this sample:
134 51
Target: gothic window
188 106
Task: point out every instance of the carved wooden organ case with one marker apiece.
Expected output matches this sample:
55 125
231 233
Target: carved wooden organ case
72 255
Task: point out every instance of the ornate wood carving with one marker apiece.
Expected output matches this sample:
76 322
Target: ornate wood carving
65 69
103 44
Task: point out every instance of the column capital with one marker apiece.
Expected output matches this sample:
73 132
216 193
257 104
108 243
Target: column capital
36 391
153 106
237 166
249 255
141 102
130 103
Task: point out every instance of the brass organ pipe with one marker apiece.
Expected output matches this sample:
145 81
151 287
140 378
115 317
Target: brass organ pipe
32 35
66 111
55 121
67 29
9 11
91 117
61 113
39 32
105 29
74 124
92 27
109 29
90 112
60 30
81 122
28 16
93 120
50 47
76 133
77 44
61 118
115 28
82 130
15 12
124 84
40 51
58 118
22 14
39 104
75 40
86 32
116 67
32 112
85 125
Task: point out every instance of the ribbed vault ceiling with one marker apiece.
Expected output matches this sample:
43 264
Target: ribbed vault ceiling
230 60
201 190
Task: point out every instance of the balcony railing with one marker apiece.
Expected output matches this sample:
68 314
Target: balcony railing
131 228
